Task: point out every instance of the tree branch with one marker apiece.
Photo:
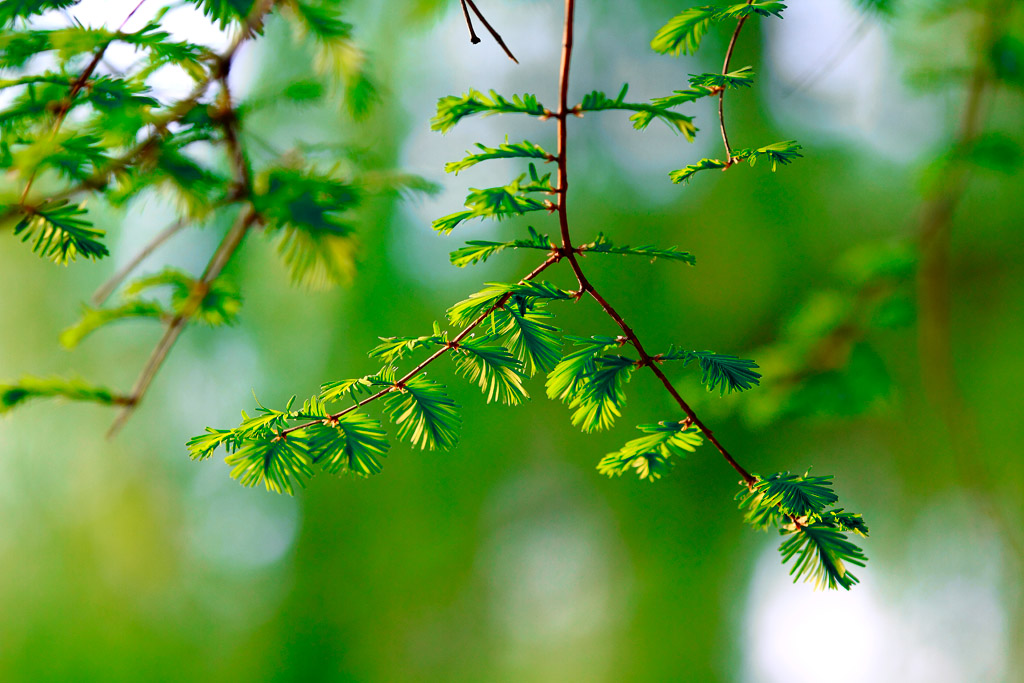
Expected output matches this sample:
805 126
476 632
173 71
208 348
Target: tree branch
111 285
554 258
585 285
160 125
76 88
232 241
176 326
721 93
490 29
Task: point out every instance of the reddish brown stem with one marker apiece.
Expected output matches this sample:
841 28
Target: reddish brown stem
453 344
570 253
721 93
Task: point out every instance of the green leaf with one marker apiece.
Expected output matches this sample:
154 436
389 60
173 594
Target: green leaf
684 175
522 295
477 251
683 33
28 388
275 461
94 318
680 97
602 394
566 379
604 246
392 349
721 371
650 455
535 343
741 78
312 210
764 8
425 415
497 372
219 305
59 233
798 506
452 109
23 9
225 12
501 202
351 388
516 150
845 521
203 446
801 496
778 153
820 555
644 113
352 443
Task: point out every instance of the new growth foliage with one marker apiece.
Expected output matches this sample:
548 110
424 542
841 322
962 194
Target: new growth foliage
500 336
503 334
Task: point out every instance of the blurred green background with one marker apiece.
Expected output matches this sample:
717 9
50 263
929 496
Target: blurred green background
511 559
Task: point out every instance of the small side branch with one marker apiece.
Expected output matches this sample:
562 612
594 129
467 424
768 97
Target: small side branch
111 285
585 286
450 346
473 37
721 93
483 20
176 326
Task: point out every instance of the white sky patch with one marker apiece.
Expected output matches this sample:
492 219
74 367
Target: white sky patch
835 72
936 616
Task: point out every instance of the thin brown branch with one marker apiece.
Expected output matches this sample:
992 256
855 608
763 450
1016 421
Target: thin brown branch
721 93
490 29
76 87
160 126
585 285
934 283
232 240
111 285
473 37
551 260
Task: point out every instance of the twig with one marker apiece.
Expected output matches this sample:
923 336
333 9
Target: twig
232 241
721 93
473 37
176 326
76 88
177 112
551 260
108 287
570 254
483 20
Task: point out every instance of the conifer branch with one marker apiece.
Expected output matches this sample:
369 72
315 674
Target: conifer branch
76 87
797 525
490 29
110 286
161 126
721 93
585 285
232 240
554 258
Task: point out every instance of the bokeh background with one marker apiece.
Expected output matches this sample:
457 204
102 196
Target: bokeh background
511 559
